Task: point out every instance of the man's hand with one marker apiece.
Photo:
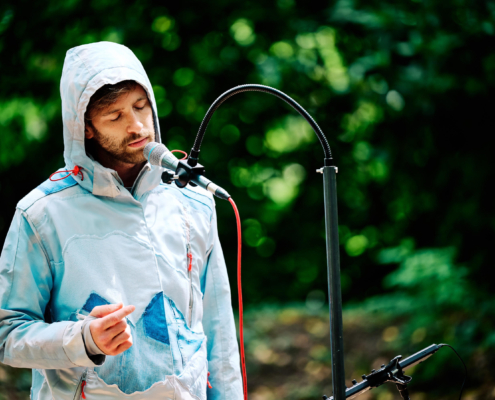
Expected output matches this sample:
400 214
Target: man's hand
110 331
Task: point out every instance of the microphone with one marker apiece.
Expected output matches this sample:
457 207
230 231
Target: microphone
158 154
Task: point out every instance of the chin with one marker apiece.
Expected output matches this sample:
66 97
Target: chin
132 158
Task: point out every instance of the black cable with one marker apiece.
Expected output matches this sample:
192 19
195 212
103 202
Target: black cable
465 368
258 88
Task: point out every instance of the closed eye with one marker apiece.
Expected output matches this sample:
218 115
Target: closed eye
116 118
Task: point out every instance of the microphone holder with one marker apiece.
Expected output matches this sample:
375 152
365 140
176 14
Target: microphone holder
186 171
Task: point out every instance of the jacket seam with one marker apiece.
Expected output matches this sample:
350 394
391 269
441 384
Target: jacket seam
199 201
148 246
15 257
182 192
46 195
63 348
38 238
198 193
222 350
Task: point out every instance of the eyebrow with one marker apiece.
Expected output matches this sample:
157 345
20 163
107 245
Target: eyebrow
118 109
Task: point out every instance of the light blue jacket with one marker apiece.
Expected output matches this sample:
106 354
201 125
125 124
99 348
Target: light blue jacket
86 241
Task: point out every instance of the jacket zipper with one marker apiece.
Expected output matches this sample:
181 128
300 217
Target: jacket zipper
80 387
189 269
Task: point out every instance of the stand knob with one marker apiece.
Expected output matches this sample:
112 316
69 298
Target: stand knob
354 382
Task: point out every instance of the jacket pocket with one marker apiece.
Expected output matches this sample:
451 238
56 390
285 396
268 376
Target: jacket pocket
189 343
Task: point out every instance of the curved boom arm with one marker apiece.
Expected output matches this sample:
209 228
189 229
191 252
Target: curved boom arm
193 158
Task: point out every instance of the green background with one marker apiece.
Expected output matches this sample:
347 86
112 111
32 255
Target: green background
403 92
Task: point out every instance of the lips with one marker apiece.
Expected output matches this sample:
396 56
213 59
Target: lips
139 143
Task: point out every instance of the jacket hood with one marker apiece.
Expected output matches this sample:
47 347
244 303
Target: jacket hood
86 69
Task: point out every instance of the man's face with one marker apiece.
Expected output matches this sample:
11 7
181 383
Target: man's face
125 127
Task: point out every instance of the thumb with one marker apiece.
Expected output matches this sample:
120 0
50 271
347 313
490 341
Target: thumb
102 311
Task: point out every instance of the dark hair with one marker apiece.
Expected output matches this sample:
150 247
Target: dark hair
106 96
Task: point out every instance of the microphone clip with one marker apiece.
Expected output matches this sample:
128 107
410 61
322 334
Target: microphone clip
392 372
185 173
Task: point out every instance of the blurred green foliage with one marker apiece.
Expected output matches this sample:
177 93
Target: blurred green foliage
403 92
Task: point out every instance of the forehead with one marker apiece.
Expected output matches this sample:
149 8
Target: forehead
131 96
124 100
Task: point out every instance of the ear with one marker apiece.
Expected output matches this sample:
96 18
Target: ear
89 131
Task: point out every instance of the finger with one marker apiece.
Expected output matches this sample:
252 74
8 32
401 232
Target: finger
102 311
122 337
123 347
115 330
117 316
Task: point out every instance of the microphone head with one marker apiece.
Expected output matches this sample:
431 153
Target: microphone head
153 152
158 154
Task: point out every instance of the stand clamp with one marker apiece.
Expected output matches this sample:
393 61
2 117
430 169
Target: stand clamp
392 372
185 172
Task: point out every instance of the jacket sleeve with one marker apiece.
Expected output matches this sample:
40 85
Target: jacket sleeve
219 326
26 281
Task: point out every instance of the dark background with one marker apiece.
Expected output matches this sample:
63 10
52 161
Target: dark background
404 94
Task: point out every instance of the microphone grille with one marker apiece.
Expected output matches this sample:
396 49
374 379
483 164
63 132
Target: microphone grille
153 152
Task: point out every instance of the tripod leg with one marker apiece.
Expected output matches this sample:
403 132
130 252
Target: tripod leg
404 393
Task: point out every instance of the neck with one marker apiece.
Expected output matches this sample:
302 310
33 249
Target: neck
127 172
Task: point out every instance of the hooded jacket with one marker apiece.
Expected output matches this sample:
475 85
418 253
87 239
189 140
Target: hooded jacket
86 240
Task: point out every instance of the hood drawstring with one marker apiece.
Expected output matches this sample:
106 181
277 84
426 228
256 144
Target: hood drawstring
77 170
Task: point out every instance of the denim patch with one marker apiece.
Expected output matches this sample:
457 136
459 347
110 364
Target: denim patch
49 187
93 301
155 323
189 338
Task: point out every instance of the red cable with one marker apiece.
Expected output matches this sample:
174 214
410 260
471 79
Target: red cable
180 151
239 289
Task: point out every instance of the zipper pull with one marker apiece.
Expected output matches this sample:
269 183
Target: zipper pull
208 381
189 256
83 383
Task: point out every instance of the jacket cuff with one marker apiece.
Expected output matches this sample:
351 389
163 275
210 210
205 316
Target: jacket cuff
74 347
92 350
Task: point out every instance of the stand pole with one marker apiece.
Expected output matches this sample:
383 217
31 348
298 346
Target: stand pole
334 291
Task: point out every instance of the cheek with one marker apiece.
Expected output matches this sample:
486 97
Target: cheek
148 120
109 136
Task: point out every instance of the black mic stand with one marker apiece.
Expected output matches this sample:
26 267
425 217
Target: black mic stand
334 288
329 171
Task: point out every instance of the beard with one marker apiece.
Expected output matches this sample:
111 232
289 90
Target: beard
120 150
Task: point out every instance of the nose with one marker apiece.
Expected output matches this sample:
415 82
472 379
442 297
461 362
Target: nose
134 125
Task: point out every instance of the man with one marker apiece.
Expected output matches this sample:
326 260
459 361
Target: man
112 234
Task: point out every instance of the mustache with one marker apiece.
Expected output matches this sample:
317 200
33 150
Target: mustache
136 136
